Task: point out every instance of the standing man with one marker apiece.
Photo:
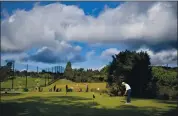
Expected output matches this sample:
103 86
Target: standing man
128 92
54 88
66 89
86 87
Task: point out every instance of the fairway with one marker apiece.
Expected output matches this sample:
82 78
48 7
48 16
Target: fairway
63 82
82 104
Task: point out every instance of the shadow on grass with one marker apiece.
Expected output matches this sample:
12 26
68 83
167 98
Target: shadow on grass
168 102
72 106
11 94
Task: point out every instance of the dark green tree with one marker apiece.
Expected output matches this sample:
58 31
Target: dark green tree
10 64
4 72
68 73
133 68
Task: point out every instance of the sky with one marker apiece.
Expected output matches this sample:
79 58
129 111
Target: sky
47 34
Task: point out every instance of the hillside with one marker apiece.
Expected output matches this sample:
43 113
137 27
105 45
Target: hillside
19 82
62 83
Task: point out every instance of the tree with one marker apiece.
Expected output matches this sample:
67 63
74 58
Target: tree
68 73
4 72
166 82
131 67
10 64
104 72
43 71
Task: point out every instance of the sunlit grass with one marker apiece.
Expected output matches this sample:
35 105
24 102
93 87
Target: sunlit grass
84 104
62 83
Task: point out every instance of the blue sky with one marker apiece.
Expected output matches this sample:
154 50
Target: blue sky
47 34
93 8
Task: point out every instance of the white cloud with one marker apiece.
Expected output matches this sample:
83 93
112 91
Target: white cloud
63 52
107 54
156 58
43 25
163 57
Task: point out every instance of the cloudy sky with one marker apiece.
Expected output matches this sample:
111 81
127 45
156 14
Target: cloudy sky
46 34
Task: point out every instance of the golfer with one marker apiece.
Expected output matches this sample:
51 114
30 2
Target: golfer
128 92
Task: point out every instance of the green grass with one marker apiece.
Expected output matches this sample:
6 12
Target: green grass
21 81
62 83
59 84
81 104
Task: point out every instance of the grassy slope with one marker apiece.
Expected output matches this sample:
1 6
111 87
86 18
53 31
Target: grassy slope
30 83
81 104
62 83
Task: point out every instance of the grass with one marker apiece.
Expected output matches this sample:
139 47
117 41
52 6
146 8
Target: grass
20 81
62 83
82 104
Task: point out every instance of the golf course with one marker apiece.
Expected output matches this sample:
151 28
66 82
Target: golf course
81 103
88 58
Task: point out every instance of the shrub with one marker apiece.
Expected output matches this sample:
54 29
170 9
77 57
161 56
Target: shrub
25 90
69 90
114 90
166 93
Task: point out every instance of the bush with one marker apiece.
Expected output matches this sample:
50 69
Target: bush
69 90
166 93
114 90
25 90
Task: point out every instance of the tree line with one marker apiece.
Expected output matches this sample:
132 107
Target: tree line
82 75
130 66
146 81
134 68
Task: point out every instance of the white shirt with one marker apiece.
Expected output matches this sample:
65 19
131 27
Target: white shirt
127 87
